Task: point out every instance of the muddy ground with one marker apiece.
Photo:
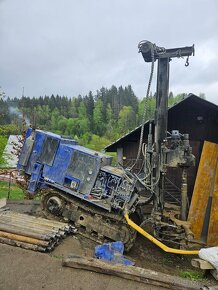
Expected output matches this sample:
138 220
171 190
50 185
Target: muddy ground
23 269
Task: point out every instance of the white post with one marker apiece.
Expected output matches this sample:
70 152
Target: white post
120 155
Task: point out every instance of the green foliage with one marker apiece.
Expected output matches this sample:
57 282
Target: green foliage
127 119
9 129
99 123
97 143
15 192
150 104
109 113
4 112
192 275
174 100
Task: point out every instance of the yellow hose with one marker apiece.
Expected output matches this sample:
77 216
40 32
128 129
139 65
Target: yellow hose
156 242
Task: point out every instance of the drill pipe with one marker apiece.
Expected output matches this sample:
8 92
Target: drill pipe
23 232
24 239
31 228
41 222
37 227
22 245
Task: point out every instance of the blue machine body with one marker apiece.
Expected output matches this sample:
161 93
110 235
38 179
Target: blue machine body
52 161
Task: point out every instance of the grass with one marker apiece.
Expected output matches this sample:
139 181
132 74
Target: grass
168 262
15 191
192 275
59 257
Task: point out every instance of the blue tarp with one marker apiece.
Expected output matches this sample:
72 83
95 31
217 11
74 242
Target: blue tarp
112 252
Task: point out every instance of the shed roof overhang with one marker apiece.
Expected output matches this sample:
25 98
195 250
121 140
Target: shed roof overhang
133 136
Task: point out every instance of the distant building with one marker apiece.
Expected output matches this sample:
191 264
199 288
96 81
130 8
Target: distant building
193 115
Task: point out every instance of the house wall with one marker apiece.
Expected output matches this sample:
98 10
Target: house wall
200 122
130 151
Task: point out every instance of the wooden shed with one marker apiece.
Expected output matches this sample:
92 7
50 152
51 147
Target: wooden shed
193 115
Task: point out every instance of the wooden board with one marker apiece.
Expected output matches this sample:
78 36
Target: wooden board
201 264
149 277
203 188
212 237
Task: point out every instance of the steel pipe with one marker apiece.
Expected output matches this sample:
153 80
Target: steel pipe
22 245
20 231
24 239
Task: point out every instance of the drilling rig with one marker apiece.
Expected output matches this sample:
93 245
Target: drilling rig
105 202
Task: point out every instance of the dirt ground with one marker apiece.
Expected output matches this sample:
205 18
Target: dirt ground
23 269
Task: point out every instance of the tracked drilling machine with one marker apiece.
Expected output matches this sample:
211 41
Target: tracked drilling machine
165 150
104 202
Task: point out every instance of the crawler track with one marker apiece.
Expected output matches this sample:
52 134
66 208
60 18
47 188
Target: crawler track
91 222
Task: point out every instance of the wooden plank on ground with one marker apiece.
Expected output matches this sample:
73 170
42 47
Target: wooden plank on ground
203 187
146 276
212 237
201 264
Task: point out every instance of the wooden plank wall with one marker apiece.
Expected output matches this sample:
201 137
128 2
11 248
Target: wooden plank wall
205 189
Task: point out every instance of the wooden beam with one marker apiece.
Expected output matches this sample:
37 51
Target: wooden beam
203 187
146 276
201 264
212 237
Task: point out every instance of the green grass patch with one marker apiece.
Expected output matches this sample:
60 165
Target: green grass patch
15 191
168 262
59 257
192 275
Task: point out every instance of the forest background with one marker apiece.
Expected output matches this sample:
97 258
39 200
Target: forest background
95 120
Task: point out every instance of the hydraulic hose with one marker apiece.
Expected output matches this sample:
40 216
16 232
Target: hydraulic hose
156 242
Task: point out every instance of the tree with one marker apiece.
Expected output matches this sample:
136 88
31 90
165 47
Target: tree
110 122
113 96
127 119
98 120
63 125
150 104
130 98
83 119
55 115
89 103
4 113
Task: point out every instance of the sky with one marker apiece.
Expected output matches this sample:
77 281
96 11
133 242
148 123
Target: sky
70 47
